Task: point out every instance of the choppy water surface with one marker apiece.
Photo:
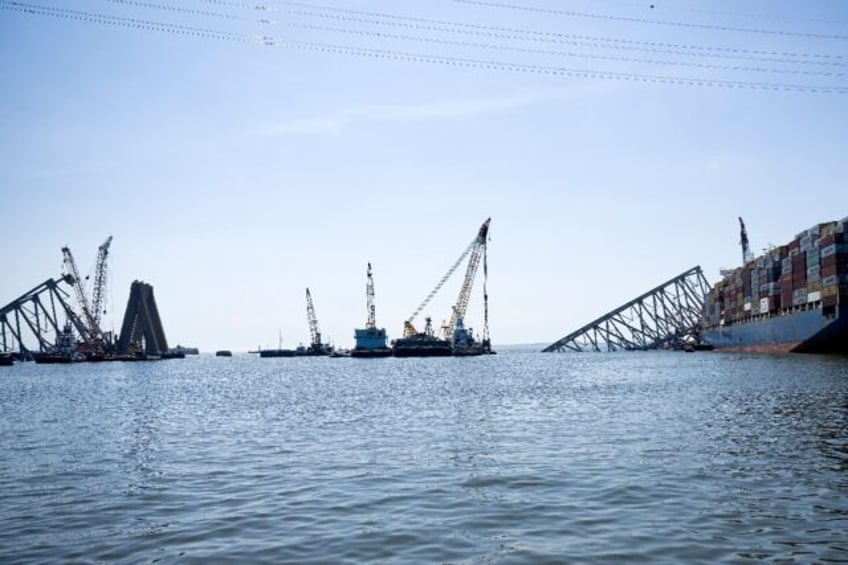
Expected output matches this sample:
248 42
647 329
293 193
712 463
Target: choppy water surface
515 458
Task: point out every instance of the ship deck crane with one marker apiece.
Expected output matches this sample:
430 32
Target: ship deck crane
747 256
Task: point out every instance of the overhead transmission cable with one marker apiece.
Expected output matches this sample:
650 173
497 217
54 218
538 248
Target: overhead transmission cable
91 17
591 15
387 54
489 46
570 54
485 29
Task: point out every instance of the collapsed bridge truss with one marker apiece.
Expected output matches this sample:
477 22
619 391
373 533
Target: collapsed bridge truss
662 316
34 320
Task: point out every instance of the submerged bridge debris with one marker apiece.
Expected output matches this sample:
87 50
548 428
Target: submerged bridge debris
664 316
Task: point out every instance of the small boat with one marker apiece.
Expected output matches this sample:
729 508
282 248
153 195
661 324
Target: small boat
50 358
223 353
6 359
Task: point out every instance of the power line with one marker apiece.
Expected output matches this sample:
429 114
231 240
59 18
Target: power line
591 15
176 9
554 38
517 33
593 56
560 71
373 18
63 13
386 54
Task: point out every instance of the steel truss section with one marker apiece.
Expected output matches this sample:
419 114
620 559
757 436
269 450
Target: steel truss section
141 331
662 316
33 322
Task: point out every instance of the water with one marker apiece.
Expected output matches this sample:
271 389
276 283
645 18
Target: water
516 458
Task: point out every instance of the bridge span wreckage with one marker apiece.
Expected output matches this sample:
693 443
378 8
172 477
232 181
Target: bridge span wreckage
42 324
667 316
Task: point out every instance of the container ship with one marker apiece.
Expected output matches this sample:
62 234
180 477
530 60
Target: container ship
793 298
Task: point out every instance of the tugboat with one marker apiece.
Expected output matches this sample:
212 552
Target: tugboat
370 341
464 344
65 350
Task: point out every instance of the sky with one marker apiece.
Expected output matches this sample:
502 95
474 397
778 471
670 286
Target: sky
239 155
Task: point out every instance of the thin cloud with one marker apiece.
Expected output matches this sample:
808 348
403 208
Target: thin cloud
335 122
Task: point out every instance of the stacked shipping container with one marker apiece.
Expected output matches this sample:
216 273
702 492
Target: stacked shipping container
810 271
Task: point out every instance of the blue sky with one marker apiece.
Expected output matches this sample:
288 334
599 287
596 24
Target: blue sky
233 174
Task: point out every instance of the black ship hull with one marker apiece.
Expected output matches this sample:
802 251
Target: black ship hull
277 353
371 353
421 346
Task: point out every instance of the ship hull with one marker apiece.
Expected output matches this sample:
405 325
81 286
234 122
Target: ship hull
422 352
805 331
370 353
277 353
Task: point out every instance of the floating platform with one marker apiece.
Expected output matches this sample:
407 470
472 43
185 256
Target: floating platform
277 353
421 345
371 353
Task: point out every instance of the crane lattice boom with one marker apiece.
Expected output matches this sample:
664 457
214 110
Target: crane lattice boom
91 326
369 297
478 249
100 281
314 332
408 327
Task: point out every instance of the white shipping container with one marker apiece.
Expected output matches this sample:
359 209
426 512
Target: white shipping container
747 307
814 296
828 251
764 305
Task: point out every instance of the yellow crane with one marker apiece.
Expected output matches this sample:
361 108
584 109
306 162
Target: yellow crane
476 249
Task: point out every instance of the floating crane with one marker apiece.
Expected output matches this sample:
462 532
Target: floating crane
478 250
100 274
371 323
455 339
475 248
316 347
370 341
92 331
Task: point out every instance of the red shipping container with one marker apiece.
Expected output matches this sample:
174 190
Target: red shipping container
828 270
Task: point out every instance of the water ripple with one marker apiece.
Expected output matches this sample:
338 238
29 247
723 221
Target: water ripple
648 457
